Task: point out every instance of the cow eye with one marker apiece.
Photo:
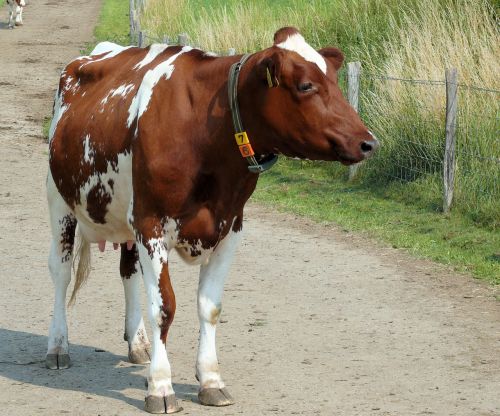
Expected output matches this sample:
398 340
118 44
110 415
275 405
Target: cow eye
305 87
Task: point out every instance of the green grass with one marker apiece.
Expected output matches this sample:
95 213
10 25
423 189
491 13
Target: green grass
113 22
46 127
319 191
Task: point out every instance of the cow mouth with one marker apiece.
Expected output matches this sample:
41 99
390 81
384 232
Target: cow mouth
348 161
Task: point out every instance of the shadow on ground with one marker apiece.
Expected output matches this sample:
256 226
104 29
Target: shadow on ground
93 371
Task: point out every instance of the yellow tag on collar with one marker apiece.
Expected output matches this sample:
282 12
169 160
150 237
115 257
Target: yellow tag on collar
241 138
269 79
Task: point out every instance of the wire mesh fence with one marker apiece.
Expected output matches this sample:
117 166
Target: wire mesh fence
408 116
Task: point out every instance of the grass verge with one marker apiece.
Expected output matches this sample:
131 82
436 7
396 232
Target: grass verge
320 192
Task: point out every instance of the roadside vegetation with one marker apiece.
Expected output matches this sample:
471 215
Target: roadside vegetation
404 39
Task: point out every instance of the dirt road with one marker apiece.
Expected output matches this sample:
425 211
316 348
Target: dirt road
315 320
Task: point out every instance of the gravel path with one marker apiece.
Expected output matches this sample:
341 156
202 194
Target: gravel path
315 320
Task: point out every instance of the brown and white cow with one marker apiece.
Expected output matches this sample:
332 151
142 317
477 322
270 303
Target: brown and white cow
15 12
143 154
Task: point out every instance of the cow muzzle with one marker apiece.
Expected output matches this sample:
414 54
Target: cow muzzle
368 147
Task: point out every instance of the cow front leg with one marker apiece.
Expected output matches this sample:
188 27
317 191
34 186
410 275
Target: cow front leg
19 16
12 17
154 261
139 348
63 225
213 391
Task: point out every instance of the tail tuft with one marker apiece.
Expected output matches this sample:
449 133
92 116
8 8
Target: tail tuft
82 262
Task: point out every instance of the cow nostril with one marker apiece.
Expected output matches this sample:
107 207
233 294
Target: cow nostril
367 147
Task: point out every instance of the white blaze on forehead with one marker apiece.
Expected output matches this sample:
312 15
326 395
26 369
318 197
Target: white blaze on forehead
153 52
141 100
296 43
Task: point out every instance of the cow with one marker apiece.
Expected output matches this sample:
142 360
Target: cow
160 148
15 12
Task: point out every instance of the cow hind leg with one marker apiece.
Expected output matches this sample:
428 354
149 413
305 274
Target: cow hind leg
153 258
139 348
213 391
63 225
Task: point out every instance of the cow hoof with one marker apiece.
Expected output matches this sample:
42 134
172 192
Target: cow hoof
57 361
160 405
215 397
140 355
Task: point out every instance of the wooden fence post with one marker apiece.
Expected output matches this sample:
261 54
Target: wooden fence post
165 39
131 15
140 39
451 124
231 52
182 39
353 74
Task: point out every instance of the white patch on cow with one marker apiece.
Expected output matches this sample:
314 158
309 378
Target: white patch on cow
108 48
211 286
59 109
134 324
154 51
151 78
296 43
116 227
105 47
88 151
122 90
159 378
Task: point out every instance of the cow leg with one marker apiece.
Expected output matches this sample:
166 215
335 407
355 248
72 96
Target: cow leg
63 225
212 276
154 261
11 16
19 16
139 349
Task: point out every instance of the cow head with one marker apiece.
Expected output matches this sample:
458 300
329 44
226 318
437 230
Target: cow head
298 107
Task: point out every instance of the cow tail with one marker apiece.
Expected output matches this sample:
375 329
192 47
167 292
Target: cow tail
81 262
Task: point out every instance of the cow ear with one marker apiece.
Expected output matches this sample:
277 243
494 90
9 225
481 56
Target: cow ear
334 56
269 70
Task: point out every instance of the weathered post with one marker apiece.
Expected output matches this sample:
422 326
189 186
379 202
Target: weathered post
182 39
231 52
451 124
131 15
165 39
140 39
353 74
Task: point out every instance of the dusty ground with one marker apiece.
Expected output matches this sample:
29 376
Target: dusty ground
316 320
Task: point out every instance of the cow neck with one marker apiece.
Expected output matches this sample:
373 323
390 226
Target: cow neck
255 165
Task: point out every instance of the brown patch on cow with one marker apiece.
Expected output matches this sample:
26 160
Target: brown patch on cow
284 33
214 315
97 201
128 261
111 184
169 305
68 229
